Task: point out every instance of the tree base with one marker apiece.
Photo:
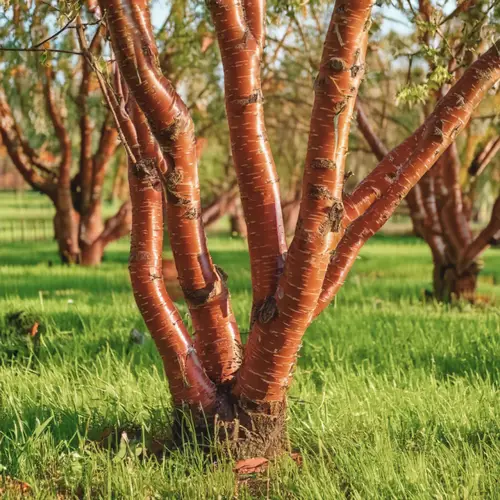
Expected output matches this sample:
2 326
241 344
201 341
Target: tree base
450 285
237 429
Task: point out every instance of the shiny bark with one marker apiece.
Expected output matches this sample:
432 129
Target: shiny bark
204 285
276 336
240 33
440 129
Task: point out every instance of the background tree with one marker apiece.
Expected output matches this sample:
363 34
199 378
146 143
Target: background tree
50 119
442 204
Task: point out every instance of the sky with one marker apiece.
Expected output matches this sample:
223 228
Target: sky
395 20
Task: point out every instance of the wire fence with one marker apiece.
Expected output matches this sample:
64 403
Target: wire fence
21 230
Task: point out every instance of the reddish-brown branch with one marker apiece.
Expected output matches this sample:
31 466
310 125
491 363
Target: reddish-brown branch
240 33
55 113
103 155
440 130
188 382
377 146
14 144
204 286
379 179
454 221
86 128
376 183
255 15
66 220
484 157
222 204
117 226
488 236
431 226
282 320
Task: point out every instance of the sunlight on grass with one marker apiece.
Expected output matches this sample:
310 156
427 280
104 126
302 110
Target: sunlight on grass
393 397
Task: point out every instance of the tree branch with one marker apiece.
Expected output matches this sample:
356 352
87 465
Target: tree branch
240 34
204 286
281 322
14 144
488 236
439 130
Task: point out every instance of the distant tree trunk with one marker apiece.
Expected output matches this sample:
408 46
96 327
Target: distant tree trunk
120 185
79 230
66 223
451 284
441 217
237 220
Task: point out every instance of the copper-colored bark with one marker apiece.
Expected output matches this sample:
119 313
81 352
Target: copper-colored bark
374 186
14 143
277 333
484 157
162 151
240 32
66 219
204 285
488 236
440 129
188 382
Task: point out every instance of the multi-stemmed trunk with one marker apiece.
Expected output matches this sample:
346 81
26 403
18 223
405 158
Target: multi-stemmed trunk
240 397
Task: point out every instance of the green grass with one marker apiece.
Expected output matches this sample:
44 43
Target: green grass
392 398
27 216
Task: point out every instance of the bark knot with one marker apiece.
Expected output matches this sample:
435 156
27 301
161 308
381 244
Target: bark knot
255 97
192 213
145 169
337 64
323 163
268 311
334 218
318 192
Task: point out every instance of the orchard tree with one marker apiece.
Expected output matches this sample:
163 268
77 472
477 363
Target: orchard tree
51 118
441 204
55 105
236 394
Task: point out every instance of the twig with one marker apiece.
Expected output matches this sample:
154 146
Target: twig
103 84
34 49
56 34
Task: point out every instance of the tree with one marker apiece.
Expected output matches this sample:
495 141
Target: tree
47 164
71 102
240 395
441 204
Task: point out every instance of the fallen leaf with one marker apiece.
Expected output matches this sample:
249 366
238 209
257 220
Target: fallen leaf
10 485
34 329
251 465
297 458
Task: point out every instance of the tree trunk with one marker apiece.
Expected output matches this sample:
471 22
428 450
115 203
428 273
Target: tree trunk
66 235
243 405
119 181
92 254
236 427
450 285
238 224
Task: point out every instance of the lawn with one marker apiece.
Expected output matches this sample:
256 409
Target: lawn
393 397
